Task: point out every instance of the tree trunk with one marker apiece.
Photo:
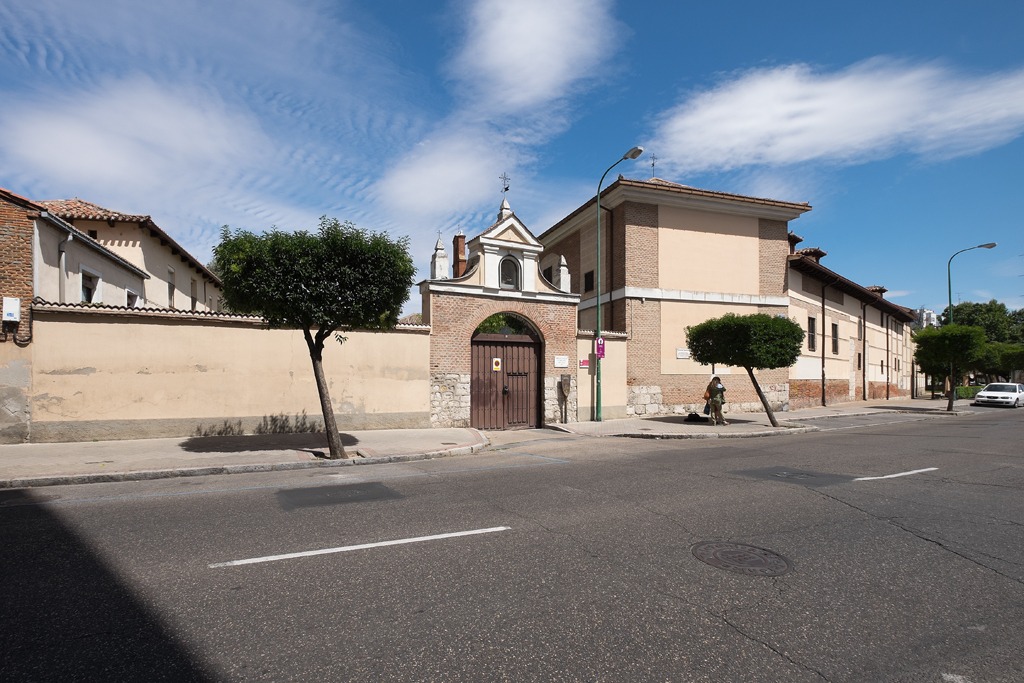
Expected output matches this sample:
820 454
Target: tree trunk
952 389
337 450
764 399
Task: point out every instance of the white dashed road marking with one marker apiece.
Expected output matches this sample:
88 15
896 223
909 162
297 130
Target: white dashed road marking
899 474
363 546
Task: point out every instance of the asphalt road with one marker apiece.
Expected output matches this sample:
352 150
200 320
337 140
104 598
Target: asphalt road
580 565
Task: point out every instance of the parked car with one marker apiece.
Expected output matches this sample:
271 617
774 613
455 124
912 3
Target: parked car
1001 395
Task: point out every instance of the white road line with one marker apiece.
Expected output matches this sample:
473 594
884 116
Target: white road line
901 474
363 546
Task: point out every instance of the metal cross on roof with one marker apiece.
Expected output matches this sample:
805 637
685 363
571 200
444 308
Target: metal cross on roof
504 183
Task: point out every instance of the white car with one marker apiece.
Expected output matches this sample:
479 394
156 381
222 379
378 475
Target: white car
1001 395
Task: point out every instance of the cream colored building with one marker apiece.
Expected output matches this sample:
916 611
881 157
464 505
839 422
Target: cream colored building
177 279
673 256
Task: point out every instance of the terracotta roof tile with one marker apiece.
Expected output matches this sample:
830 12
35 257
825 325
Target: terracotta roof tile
79 209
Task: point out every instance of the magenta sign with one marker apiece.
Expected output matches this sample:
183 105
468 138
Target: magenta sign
599 347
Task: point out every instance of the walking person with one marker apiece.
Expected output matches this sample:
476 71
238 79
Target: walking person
716 397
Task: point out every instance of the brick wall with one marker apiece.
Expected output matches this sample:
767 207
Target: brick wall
772 264
16 231
454 318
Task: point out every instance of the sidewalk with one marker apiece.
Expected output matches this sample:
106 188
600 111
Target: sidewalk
45 464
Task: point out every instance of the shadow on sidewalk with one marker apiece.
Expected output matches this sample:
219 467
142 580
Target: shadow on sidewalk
315 443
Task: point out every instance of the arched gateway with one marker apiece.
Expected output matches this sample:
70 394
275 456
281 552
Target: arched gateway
505 382
502 335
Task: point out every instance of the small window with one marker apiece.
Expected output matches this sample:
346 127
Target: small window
588 281
132 299
835 339
881 366
509 273
90 287
858 361
812 334
170 288
93 234
194 292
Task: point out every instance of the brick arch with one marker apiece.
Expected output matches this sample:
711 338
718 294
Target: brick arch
454 318
529 322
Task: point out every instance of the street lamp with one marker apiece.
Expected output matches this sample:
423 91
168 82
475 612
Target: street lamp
949 316
949 279
633 153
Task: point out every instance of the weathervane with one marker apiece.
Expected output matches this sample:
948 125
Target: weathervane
504 183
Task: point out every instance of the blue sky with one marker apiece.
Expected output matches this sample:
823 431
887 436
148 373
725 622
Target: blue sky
901 122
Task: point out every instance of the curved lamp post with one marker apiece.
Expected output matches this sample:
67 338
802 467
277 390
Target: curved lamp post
633 153
949 279
949 317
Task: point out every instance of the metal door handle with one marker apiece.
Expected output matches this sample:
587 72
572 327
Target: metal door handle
504 389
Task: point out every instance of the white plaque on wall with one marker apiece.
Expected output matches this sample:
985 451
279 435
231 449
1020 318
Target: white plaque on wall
682 354
561 361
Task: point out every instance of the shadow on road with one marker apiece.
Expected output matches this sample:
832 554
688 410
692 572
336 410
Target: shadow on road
66 616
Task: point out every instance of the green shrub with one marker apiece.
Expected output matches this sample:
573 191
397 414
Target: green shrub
967 392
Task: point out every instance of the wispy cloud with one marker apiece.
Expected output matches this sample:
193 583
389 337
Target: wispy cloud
872 110
515 71
523 55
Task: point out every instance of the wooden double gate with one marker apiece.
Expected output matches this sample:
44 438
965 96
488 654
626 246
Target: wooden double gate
504 389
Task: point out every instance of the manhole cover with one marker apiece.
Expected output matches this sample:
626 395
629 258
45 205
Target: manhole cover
793 475
740 558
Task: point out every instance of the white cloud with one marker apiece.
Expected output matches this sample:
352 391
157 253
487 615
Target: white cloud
518 64
528 53
134 134
872 110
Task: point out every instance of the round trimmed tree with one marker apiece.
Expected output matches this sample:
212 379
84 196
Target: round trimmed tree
758 341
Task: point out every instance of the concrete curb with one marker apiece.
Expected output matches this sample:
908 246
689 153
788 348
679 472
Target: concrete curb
782 431
146 475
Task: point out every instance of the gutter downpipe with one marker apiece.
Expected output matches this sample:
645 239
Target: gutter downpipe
888 355
824 286
62 259
864 351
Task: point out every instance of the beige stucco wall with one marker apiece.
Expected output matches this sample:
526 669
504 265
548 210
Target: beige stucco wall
115 279
708 252
105 376
676 316
134 244
15 382
614 392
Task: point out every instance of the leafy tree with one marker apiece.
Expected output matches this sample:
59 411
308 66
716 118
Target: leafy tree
942 349
503 323
1000 359
993 317
759 341
340 277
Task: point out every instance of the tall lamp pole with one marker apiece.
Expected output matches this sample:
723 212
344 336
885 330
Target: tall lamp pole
949 311
633 153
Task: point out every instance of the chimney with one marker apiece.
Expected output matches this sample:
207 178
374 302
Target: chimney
794 239
813 253
877 289
459 256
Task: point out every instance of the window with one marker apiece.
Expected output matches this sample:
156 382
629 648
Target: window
548 274
194 292
812 334
508 273
860 328
170 288
93 234
588 281
835 339
90 288
132 299
858 361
